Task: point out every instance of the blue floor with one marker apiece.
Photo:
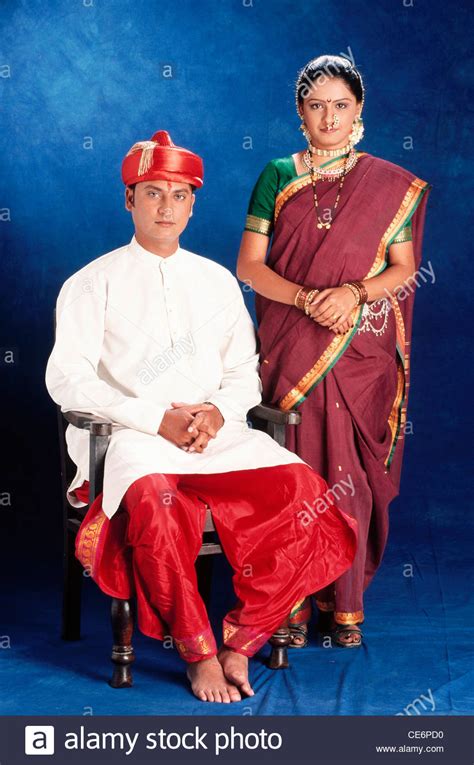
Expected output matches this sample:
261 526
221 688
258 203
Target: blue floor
418 645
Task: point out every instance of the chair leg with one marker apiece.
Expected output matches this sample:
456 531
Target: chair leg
72 589
204 565
279 641
122 652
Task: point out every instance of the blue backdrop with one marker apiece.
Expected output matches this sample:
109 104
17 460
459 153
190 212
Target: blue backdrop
80 82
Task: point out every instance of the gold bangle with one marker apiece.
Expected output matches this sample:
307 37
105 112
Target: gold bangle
300 298
308 300
363 290
355 291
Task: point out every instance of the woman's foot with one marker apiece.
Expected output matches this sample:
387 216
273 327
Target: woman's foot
299 636
236 669
208 682
347 635
344 635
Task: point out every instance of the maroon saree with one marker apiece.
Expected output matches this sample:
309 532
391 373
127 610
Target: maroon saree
352 390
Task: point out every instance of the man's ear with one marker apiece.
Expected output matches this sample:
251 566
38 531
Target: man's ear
193 199
129 194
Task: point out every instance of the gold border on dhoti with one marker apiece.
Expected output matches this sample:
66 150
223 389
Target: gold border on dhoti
88 541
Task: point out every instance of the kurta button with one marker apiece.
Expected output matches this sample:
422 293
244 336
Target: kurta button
337 404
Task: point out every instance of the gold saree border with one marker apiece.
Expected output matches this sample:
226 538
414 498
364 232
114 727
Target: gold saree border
348 617
397 416
341 617
324 364
301 612
339 343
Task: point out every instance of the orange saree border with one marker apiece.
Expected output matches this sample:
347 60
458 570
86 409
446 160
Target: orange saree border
339 343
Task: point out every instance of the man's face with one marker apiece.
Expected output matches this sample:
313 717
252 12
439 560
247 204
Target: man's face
160 209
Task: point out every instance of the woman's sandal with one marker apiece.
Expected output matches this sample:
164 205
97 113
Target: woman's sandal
346 629
299 632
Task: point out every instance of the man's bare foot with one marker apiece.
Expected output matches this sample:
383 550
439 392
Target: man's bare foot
236 669
209 683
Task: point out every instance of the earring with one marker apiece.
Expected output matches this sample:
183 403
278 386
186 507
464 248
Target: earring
357 132
305 132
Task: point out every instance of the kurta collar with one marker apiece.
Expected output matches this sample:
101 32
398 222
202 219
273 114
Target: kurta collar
150 257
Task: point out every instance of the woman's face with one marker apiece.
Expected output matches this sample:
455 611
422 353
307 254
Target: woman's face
328 110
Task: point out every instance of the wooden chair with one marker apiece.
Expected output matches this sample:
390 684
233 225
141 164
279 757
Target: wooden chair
262 417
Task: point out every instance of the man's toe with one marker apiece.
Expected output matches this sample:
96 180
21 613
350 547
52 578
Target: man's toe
234 693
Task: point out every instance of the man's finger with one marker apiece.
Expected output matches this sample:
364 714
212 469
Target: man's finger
196 424
200 443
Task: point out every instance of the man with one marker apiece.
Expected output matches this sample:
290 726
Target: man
158 340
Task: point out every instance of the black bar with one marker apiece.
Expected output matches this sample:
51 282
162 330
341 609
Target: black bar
316 740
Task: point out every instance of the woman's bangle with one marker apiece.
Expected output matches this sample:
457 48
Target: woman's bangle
300 297
363 289
359 291
354 291
311 294
303 297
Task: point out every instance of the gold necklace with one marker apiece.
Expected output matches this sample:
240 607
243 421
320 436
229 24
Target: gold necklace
321 223
329 152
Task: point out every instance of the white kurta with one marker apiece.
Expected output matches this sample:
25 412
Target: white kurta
135 332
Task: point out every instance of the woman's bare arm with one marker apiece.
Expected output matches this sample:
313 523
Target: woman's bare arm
401 265
252 270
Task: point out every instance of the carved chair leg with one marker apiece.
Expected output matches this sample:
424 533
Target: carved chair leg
279 641
122 652
72 588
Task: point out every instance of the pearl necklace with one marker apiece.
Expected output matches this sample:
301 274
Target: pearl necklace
331 173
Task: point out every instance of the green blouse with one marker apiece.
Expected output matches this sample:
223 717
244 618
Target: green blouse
272 180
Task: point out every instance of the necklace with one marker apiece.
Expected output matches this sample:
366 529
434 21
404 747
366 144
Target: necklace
329 152
341 172
331 173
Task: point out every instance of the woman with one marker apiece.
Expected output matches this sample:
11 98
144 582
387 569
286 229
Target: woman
346 232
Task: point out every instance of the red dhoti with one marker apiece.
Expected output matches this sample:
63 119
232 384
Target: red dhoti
149 548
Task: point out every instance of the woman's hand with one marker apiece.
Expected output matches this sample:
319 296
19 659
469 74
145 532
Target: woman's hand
332 308
341 329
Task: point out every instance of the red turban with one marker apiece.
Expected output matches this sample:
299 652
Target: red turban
160 159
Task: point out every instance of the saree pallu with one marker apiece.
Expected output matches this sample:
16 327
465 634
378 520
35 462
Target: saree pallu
352 389
149 547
